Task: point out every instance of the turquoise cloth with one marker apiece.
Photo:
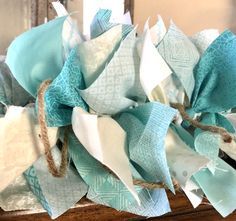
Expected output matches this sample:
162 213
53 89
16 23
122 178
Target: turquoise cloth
105 189
63 94
181 55
220 187
146 127
101 23
56 195
223 179
215 76
37 55
11 93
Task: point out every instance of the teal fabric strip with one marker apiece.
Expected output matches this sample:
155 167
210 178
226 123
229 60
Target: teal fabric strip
101 23
215 76
146 131
105 189
37 55
33 182
63 93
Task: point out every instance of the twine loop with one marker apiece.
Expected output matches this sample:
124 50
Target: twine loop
226 136
56 172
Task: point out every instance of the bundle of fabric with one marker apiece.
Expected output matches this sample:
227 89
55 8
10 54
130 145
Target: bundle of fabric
119 118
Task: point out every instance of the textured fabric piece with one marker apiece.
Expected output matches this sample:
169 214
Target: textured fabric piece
31 177
182 160
220 187
146 132
118 86
105 140
208 144
101 23
215 76
60 193
182 56
37 55
11 93
158 31
104 188
18 196
20 144
153 203
153 68
63 94
96 53
204 38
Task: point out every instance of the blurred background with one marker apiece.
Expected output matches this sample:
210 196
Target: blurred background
17 16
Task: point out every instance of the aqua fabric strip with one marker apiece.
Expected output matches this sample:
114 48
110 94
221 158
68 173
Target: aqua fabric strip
33 182
146 131
101 23
37 55
215 76
63 94
104 188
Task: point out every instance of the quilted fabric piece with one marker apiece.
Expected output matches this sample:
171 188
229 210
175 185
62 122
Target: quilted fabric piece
104 188
57 195
118 86
182 56
18 196
37 55
96 53
63 94
215 76
11 93
101 23
146 132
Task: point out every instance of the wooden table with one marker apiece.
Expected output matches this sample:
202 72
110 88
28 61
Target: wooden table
89 211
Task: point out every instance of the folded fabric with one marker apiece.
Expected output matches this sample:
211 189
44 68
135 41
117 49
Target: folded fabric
63 93
37 55
158 31
101 23
18 196
70 33
56 195
11 93
215 75
223 180
20 143
96 53
153 68
214 142
105 140
182 56
106 189
204 38
118 86
182 160
146 133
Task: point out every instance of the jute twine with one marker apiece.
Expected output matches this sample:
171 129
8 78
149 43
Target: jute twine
61 171
226 136
64 162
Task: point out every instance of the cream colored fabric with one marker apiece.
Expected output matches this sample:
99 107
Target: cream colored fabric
20 144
